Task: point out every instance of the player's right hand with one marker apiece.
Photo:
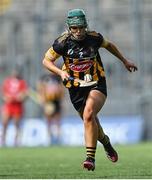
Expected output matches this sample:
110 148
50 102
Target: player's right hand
64 75
71 82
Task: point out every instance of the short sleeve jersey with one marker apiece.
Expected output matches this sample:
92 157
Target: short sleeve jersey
13 86
80 57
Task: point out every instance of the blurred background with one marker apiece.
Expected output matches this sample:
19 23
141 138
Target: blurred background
29 27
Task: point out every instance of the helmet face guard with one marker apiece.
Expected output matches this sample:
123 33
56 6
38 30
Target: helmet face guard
76 17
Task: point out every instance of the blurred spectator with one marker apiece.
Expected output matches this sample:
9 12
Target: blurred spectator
14 92
51 93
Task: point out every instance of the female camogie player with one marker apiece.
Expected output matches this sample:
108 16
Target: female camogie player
79 49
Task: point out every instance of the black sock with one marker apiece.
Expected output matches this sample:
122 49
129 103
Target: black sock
105 140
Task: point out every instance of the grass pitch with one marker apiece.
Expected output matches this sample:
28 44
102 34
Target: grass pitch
135 162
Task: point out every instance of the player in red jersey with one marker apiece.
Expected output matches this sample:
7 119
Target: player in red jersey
79 48
14 92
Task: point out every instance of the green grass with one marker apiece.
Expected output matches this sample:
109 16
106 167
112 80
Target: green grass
135 162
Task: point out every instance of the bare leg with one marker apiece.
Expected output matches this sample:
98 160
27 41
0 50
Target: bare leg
100 130
94 103
105 141
48 118
57 119
17 126
5 122
54 121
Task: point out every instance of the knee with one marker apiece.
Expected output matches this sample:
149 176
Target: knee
88 116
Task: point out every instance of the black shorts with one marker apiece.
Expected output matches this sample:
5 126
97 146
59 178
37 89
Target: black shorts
79 95
53 107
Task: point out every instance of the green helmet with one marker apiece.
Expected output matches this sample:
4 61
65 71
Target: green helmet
76 17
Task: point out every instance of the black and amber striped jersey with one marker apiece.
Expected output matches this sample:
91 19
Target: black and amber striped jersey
80 57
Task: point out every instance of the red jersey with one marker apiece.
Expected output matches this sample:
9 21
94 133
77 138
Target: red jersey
12 87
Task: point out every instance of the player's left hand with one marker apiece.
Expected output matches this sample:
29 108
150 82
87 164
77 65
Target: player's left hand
131 67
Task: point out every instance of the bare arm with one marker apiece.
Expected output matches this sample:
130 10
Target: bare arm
114 50
50 65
